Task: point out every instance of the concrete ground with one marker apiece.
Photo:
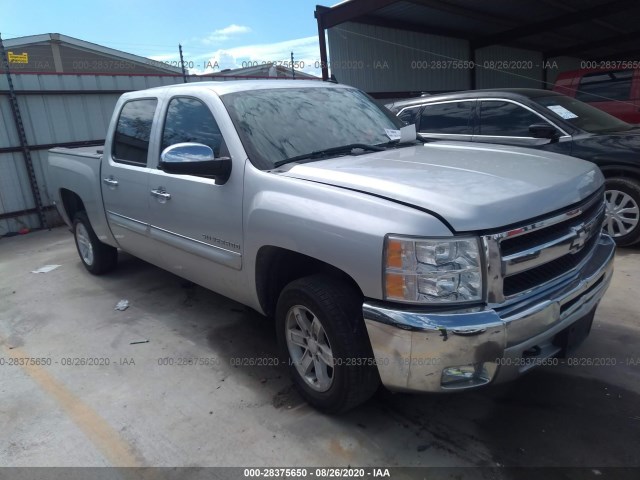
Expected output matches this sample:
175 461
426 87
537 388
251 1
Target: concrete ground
173 394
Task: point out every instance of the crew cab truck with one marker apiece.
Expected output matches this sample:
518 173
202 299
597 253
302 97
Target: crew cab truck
429 267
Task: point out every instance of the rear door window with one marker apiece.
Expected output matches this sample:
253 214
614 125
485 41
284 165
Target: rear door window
131 140
447 118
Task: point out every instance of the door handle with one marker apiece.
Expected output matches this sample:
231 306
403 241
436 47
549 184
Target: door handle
161 194
112 182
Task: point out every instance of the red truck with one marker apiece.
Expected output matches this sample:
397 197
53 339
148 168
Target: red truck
616 91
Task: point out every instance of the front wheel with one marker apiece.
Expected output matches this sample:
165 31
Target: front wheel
322 334
97 257
622 197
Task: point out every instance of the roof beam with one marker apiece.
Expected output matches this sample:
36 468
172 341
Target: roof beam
411 26
564 20
627 55
348 11
586 46
465 12
559 4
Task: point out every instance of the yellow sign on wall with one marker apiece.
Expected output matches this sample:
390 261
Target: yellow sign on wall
18 57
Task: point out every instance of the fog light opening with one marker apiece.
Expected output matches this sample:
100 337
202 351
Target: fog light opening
465 376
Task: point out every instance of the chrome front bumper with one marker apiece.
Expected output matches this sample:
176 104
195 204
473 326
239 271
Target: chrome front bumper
434 351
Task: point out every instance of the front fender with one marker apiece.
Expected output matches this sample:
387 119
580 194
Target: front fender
340 227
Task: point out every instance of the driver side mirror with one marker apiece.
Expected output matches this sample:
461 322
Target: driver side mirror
544 130
195 159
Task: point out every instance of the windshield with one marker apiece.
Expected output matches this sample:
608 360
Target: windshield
581 115
280 123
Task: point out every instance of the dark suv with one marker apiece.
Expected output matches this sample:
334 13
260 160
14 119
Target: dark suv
546 120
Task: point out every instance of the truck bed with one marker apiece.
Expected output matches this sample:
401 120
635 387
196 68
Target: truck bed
94 151
78 170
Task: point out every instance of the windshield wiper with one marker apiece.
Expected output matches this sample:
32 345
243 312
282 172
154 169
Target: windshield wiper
398 144
329 151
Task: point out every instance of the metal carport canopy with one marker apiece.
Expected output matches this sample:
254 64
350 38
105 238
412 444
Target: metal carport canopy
587 29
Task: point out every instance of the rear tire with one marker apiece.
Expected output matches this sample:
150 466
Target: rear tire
97 257
623 210
319 323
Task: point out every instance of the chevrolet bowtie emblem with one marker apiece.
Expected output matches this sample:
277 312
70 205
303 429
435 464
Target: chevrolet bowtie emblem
581 236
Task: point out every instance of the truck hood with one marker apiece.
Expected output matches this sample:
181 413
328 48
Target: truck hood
472 187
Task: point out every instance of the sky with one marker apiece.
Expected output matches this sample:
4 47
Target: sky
214 34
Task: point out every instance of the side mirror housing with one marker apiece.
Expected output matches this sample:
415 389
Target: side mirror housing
544 130
195 159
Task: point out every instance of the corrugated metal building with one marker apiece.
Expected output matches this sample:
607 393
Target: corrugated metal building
265 70
398 48
68 103
65 90
56 110
56 53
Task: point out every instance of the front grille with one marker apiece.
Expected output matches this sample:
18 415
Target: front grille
509 246
529 279
556 241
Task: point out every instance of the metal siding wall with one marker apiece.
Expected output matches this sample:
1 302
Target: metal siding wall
57 118
40 166
15 193
356 49
29 221
82 61
65 118
54 118
487 76
40 58
8 133
563 64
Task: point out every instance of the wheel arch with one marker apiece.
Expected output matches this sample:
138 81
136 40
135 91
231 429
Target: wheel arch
625 171
276 267
623 227
71 204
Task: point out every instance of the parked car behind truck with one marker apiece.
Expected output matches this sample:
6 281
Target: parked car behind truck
612 90
427 267
546 121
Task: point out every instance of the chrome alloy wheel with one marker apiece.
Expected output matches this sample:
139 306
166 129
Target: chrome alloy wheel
309 348
622 215
84 244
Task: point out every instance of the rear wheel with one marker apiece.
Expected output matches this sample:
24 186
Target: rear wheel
622 197
97 257
322 334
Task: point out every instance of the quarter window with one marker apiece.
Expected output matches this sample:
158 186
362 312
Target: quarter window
451 118
190 120
605 86
506 119
131 141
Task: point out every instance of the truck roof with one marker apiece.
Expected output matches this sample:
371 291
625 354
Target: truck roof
232 86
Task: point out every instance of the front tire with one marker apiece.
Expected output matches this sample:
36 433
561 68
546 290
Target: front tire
322 335
97 257
622 196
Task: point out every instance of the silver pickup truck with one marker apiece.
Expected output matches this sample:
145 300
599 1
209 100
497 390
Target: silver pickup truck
428 267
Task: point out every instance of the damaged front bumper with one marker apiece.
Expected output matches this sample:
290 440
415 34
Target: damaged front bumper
433 351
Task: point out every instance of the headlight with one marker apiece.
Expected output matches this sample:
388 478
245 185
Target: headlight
420 270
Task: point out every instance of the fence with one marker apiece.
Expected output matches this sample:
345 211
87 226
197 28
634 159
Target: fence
57 110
